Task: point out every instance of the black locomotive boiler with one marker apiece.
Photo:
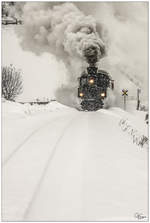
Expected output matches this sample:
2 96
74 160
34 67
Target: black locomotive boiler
92 89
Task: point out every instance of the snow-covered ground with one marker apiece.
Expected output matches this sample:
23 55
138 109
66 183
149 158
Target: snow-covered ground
60 164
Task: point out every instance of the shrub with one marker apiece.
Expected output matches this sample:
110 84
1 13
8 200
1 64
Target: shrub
11 83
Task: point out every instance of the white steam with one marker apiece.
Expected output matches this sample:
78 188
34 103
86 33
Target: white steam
127 41
68 29
60 29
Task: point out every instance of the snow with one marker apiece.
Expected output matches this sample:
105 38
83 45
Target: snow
60 164
41 75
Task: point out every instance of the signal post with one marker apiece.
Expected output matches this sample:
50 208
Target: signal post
138 98
124 94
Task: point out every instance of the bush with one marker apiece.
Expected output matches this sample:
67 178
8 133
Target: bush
137 138
143 108
11 83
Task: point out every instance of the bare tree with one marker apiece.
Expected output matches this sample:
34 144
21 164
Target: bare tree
11 83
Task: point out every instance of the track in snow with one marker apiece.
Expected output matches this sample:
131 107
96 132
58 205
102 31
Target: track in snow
86 170
22 144
29 137
52 153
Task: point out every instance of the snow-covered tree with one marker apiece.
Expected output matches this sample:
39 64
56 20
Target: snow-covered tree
11 83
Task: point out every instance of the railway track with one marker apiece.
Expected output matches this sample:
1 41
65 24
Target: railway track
50 158
19 147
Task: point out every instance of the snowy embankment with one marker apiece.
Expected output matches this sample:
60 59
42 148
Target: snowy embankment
60 164
137 136
134 125
21 121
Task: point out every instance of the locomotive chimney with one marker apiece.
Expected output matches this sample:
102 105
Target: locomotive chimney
91 55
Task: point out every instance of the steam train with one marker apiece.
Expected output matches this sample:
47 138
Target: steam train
92 89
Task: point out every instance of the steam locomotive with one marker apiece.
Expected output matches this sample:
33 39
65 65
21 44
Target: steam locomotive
92 89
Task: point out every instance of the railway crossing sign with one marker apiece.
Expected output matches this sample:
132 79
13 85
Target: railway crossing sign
124 94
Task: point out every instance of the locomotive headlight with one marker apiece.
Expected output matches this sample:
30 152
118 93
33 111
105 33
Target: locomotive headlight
81 94
91 81
103 94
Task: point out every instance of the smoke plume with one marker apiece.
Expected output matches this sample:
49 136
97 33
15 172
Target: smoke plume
87 31
62 30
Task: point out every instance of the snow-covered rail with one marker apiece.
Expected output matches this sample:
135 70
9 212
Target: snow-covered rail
26 139
50 157
23 143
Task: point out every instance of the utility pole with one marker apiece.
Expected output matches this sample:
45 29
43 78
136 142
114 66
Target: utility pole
124 94
112 84
138 98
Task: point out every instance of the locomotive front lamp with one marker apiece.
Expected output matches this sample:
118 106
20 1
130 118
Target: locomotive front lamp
103 94
91 81
81 94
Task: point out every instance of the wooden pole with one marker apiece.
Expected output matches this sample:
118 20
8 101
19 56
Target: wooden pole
124 94
138 98
124 102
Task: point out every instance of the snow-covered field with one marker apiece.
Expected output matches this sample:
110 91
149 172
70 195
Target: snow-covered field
60 164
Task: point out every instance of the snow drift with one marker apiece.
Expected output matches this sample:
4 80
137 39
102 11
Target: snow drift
58 166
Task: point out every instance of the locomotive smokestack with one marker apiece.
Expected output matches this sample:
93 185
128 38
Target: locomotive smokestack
93 54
